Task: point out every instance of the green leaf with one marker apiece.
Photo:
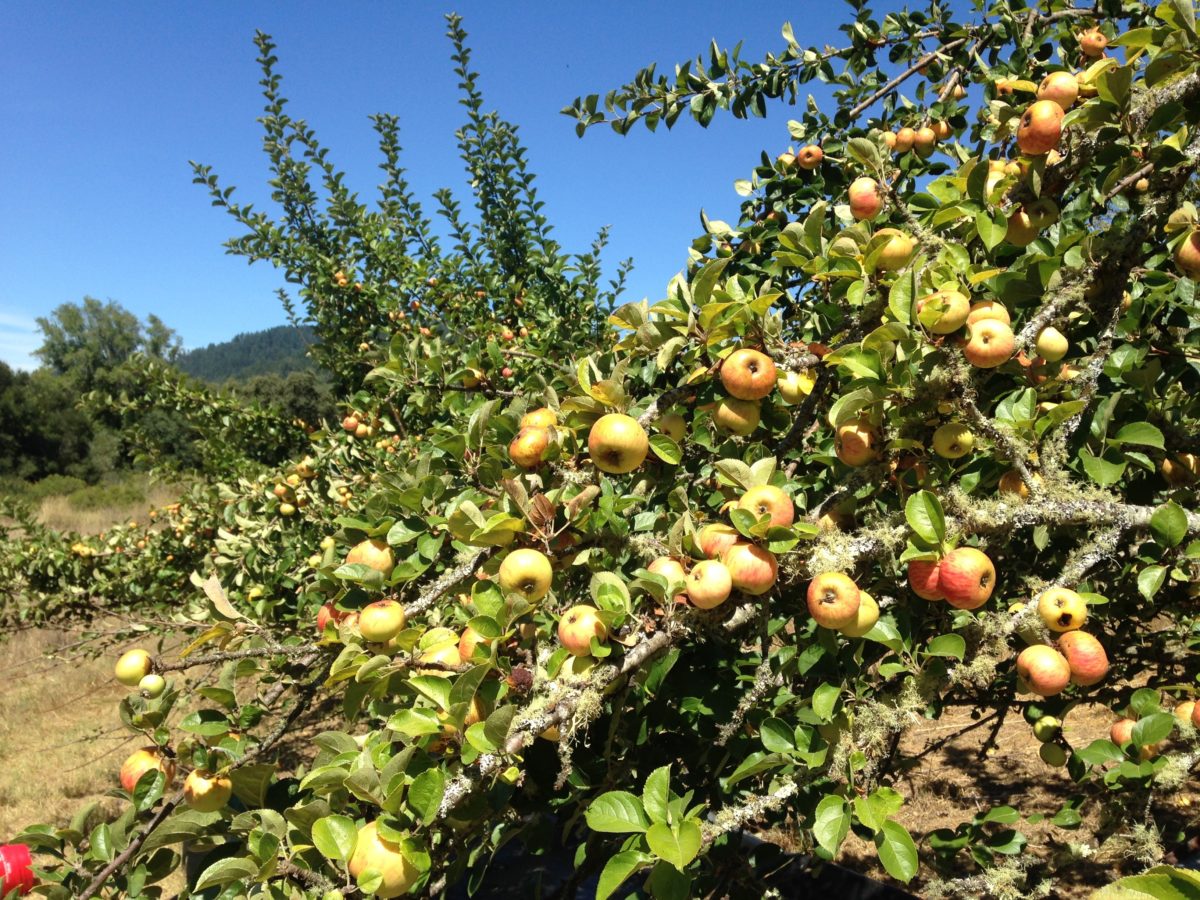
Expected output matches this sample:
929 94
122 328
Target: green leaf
1152 729
1139 433
225 871
678 845
866 152
1169 524
875 809
656 794
1100 470
991 231
334 837
425 794
897 851
777 736
1158 883
925 517
952 645
617 812
825 698
900 298
666 449
1150 579
618 869
831 823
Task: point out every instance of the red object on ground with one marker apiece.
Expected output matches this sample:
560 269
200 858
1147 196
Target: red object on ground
15 869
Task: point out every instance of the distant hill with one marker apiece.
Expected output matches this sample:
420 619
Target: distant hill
275 351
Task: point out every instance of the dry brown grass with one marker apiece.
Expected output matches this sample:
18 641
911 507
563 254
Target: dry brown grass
58 512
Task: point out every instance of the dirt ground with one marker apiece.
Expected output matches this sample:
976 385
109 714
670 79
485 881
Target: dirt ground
953 782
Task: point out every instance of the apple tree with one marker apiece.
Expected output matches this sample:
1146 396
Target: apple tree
916 433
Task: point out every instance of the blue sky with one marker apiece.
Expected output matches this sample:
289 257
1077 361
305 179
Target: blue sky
105 103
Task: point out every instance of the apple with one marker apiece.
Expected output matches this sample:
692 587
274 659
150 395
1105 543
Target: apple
953 440
1183 469
350 424
766 499
865 200
206 793
924 141
381 621
1060 87
527 447
371 851
950 308
988 309
1052 344
1092 42
132 667
739 417
142 761
924 579
967 577
896 252
889 139
905 138
1043 670
810 157
1021 231
1053 755
1061 609
1047 728
709 584
672 570
990 343
1012 484
867 616
713 540
374 554
618 444
1121 734
795 386
1187 255
543 417
1040 128
1184 712
833 600
748 374
326 614
1043 212
469 640
855 442
152 685
1086 657
578 626
445 653
752 569
526 572
673 425
943 129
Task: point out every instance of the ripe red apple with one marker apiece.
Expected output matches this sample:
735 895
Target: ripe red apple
133 666
371 851
748 374
1061 609
526 572
833 600
618 444
1040 128
142 761
326 614
374 554
350 424
990 343
578 626
1187 255
865 199
1043 670
381 621
527 447
1092 42
766 499
810 156
206 793
967 577
713 540
855 442
752 568
709 584
923 579
1086 657
739 417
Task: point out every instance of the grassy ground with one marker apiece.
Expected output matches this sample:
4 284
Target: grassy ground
66 514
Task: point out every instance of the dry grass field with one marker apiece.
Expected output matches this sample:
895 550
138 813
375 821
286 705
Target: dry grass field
60 513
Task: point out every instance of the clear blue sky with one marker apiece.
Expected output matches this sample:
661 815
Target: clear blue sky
105 103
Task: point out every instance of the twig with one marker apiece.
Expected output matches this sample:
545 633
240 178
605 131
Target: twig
905 75
440 585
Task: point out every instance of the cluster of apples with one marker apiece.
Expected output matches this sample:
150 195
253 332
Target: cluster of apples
923 140
990 340
1079 658
836 602
533 437
964 577
361 425
202 790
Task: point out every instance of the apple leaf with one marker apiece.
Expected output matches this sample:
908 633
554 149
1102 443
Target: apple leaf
952 645
678 844
617 812
925 517
1152 729
1150 579
831 823
656 794
618 868
666 449
1138 433
335 836
776 736
897 851
1169 524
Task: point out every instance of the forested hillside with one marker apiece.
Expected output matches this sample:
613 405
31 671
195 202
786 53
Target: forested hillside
275 351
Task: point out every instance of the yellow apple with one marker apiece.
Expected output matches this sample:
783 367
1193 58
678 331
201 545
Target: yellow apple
132 667
951 308
748 374
373 852
1061 609
618 444
864 621
1052 344
381 621
204 792
795 386
543 417
766 499
374 554
953 440
526 572
709 584
739 417
578 626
